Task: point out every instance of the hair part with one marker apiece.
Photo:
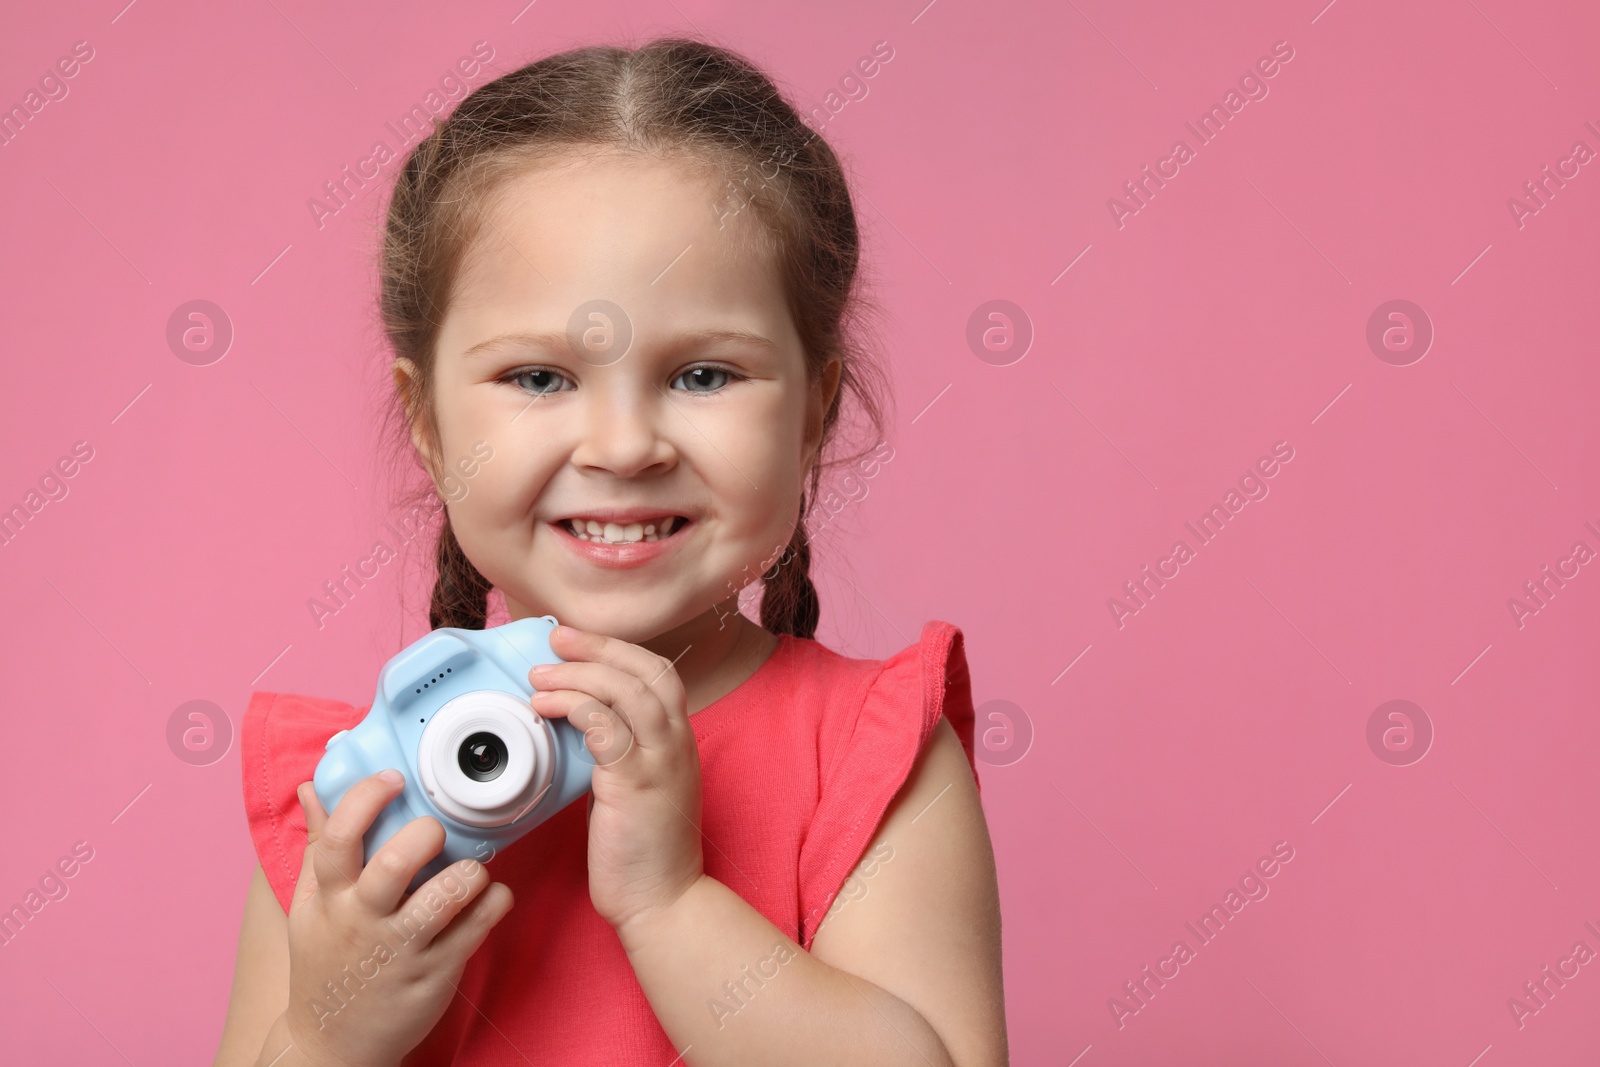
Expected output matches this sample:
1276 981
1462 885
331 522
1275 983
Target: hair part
669 98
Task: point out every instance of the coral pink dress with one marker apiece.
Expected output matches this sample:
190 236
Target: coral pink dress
798 766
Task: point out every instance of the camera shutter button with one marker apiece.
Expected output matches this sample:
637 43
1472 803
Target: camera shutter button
333 739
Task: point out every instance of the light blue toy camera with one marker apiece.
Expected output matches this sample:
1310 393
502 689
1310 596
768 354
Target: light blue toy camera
452 715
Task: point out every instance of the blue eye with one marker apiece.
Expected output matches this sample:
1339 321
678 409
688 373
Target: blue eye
540 381
706 379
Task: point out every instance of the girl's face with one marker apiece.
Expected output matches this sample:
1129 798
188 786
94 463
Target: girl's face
624 417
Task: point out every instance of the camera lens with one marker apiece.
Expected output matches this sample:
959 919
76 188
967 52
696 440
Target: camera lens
485 759
482 756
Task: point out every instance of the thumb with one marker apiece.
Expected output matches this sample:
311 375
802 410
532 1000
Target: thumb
316 818
306 885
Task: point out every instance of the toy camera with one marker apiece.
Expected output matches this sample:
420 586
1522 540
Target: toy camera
452 715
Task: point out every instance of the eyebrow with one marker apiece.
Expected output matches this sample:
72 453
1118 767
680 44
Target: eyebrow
558 341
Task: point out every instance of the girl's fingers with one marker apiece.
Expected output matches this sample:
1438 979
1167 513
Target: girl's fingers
463 936
428 912
656 672
607 733
384 880
626 694
316 821
305 886
339 851
312 807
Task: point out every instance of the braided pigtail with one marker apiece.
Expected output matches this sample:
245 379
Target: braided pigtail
789 602
460 594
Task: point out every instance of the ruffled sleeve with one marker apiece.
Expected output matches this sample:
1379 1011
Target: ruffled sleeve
281 740
870 755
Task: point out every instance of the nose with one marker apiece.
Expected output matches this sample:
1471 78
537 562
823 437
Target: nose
624 434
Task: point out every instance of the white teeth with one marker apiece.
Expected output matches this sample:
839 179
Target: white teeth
614 533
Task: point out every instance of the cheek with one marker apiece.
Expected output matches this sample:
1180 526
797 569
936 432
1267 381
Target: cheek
753 474
507 489
494 518
499 493
466 409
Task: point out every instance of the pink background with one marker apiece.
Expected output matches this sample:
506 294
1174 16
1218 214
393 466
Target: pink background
1228 314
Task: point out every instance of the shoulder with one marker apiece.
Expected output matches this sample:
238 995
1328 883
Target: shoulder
281 738
883 704
871 735
919 914
281 733
903 891
288 713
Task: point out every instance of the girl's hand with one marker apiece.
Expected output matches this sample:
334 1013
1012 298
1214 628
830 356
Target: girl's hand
644 811
393 966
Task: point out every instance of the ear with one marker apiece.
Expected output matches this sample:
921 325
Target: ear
819 399
407 386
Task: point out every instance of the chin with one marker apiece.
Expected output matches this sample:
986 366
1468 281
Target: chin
626 618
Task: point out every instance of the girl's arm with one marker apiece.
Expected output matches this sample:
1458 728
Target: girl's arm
905 969
260 977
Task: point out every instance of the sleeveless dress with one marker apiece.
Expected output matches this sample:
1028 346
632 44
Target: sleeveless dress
798 766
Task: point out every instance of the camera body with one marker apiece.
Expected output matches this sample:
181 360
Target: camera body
452 714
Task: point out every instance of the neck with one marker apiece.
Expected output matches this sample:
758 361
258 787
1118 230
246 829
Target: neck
714 652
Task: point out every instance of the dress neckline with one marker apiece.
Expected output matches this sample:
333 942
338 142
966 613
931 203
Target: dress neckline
735 699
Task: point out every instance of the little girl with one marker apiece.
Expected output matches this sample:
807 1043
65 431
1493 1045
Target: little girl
618 284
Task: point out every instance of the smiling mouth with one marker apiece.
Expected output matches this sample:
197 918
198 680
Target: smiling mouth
614 533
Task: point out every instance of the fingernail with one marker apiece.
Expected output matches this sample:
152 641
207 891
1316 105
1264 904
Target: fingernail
392 776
